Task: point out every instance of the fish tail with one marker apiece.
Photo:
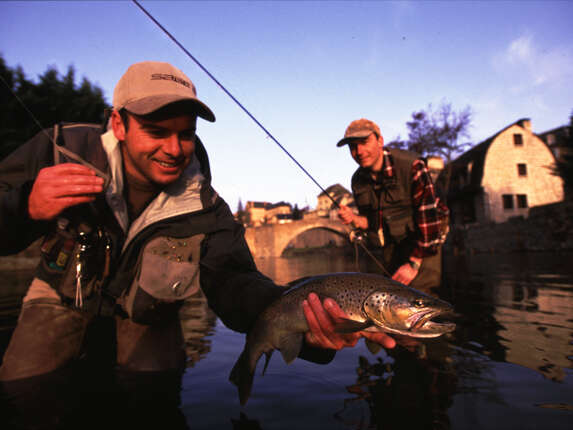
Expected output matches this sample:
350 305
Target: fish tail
243 373
242 377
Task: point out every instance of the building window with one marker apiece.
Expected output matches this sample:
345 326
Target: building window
518 139
507 201
522 169
521 200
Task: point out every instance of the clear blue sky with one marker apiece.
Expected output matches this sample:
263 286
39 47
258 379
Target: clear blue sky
306 69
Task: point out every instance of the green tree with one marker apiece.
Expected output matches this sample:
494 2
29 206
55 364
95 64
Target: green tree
297 214
241 214
29 106
437 132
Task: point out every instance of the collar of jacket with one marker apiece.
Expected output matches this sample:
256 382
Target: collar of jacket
179 198
387 168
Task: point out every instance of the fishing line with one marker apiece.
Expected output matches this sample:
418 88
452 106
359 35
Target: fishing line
233 98
244 109
373 258
26 109
57 147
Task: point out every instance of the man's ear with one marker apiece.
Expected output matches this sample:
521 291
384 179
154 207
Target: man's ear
380 141
117 125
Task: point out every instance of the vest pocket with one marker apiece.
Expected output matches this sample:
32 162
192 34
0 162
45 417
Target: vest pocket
364 198
398 224
71 262
168 273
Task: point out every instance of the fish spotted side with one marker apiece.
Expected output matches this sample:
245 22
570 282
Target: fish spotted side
372 302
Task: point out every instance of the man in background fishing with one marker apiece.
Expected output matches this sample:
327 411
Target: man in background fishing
399 212
397 206
130 227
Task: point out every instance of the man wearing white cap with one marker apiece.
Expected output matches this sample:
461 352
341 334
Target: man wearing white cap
397 206
130 228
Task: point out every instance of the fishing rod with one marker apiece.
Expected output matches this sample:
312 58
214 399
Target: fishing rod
359 238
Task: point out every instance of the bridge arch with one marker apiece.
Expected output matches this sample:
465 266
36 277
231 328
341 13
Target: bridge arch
271 240
321 236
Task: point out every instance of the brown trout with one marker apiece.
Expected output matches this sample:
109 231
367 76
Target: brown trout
372 302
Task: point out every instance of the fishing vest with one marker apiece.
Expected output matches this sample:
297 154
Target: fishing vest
83 258
78 252
388 207
387 204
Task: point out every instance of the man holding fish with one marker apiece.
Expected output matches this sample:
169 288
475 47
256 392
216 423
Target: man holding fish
131 227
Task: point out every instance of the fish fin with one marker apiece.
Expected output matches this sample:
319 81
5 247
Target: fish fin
372 346
351 326
267 359
290 346
242 376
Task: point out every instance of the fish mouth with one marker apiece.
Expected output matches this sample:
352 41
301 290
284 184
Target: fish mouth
425 324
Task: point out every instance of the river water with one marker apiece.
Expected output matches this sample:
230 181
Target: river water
509 364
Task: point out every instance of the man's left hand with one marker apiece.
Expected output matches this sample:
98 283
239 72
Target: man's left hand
405 274
322 318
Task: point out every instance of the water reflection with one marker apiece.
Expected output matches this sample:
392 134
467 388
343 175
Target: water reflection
416 383
514 340
286 269
198 323
515 312
516 308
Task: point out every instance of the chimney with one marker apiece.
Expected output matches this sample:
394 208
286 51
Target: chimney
525 123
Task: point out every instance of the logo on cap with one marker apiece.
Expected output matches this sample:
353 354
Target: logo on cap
167 77
149 86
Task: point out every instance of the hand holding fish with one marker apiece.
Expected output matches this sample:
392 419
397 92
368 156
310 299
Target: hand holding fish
59 187
322 319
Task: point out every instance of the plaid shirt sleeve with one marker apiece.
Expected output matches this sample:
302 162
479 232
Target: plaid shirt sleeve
426 211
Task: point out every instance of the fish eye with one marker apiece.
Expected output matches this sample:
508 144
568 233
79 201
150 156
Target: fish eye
419 303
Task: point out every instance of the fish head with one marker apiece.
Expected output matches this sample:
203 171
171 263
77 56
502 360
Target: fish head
407 312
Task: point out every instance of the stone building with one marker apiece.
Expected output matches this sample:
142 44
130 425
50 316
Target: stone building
325 207
278 213
259 213
255 212
503 177
558 139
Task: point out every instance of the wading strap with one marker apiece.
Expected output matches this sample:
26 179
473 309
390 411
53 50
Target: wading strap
57 154
59 150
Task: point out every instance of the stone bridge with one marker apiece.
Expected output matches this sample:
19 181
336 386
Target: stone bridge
271 240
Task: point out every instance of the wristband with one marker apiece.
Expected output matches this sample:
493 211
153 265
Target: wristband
414 265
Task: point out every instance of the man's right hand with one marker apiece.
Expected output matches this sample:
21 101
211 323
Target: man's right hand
59 187
321 319
345 214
